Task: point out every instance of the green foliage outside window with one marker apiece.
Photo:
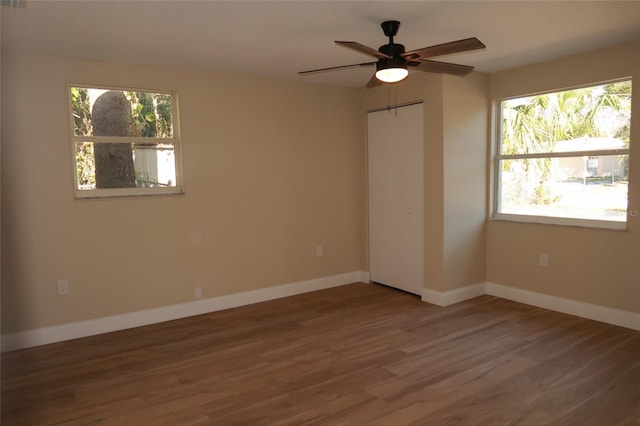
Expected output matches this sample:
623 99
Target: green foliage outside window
150 113
534 124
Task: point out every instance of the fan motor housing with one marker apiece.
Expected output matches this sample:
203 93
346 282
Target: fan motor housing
395 62
392 49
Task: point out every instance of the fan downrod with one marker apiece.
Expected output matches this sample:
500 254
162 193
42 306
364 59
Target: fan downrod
392 49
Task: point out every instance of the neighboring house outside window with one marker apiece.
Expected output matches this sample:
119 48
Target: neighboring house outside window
563 157
125 142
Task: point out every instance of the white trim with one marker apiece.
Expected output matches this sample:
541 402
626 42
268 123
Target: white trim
134 140
561 221
74 330
59 333
453 296
581 309
554 303
563 154
107 193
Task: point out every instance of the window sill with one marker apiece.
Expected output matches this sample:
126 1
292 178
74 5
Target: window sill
560 221
94 194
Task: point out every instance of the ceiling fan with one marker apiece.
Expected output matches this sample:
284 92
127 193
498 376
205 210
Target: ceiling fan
393 62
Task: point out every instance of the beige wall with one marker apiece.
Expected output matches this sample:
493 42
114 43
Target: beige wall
465 173
271 169
455 132
590 265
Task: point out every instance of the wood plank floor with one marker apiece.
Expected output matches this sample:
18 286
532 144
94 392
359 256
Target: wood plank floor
352 355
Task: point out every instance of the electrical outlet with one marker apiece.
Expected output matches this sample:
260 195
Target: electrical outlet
319 251
63 287
544 260
197 292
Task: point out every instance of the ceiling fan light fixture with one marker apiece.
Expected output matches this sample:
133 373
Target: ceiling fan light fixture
391 70
392 75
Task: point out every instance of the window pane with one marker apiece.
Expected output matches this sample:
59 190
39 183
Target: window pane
124 165
590 118
570 187
155 165
85 166
101 112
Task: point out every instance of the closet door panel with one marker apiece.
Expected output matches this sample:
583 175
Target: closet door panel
396 205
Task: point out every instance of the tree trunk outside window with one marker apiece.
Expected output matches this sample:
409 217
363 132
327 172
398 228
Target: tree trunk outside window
111 116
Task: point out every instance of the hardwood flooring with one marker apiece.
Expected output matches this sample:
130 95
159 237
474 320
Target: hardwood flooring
351 355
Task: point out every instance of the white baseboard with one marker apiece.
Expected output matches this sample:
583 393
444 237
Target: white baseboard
59 333
581 309
554 303
453 296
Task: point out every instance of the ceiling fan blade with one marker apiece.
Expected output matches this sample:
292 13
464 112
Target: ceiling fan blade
441 67
363 49
373 82
341 67
445 49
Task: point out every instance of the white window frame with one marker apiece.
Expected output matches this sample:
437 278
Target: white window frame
127 192
497 178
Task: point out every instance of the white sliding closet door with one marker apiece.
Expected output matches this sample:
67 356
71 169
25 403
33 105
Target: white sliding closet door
396 197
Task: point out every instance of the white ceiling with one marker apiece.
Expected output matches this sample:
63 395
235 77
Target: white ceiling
279 38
